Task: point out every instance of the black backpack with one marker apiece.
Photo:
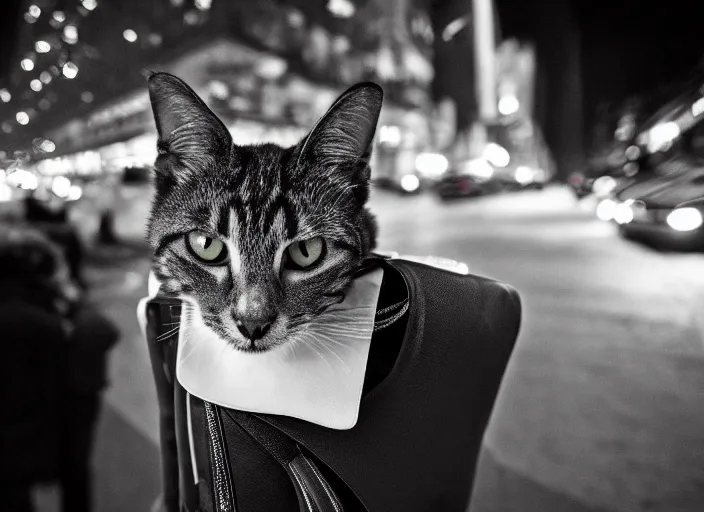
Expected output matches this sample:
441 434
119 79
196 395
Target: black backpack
436 362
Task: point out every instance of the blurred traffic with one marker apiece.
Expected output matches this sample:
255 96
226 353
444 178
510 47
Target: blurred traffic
649 178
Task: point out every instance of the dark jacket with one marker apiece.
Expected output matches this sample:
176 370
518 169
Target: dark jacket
91 339
31 368
417 440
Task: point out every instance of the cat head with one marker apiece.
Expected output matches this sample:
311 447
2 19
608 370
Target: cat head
259 239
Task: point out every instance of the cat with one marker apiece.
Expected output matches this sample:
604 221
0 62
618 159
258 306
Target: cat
260 239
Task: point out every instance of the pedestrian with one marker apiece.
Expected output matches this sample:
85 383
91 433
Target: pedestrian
89 342
34 299
53 372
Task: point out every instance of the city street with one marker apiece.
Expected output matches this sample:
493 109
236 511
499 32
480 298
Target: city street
602 408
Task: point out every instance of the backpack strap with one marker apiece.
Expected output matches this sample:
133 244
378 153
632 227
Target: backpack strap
162 353
315 494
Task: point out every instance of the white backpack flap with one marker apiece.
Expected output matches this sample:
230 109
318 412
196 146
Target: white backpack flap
317 376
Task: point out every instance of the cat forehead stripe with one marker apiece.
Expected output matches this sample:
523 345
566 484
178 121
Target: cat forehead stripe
225 221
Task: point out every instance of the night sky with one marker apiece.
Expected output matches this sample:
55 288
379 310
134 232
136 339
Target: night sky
10 11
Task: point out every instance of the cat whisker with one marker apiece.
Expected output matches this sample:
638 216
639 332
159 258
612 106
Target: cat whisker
348 324
354 329
345 328
188 354
333 341
329 349
348 336
329 336
340 320
310 345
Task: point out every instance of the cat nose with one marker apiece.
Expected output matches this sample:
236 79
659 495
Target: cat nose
254 329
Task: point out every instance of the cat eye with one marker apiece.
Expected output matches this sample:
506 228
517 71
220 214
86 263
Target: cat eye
305 254
206 249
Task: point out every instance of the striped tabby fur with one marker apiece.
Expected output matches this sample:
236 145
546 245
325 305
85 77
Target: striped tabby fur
258 200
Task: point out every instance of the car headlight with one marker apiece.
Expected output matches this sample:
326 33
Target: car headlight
523 174
684 219
623 213
410 183
606 209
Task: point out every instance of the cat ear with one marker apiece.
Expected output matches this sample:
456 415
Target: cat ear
187 128
345 132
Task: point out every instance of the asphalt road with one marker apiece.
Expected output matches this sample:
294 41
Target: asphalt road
602 408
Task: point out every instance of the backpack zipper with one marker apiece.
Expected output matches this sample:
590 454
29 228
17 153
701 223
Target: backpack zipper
222 487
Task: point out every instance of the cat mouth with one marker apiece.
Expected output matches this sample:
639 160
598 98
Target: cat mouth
254 347
269 341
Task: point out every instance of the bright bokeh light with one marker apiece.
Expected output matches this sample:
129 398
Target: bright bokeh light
5 192
606 209
390 135
523 174
70 70
59 16
130 35
479 168
632 152
34 11
23 179
496 155
5 96
698 107
453 28
42 47
203 5
661 136
410 183
341 8
27 64
71 34
47 146
685 219
272 68
219 89
75 193
61 186
603 186
623 214
90 4
45 77
431 164
35 85
22 117
508 105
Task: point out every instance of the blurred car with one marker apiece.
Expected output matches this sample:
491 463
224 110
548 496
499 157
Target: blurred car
602 172
494 172
661 204
675 227
651 210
